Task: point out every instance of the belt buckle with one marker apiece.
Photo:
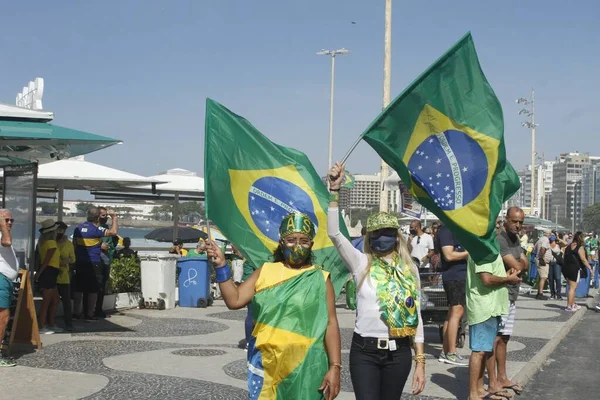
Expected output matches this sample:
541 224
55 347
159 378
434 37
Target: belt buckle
383 344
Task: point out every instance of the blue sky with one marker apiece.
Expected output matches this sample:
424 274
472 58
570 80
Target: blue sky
140 70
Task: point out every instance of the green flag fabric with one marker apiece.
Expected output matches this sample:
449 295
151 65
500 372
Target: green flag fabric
444 135
251 183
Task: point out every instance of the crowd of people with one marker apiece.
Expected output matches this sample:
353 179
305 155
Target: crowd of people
387 266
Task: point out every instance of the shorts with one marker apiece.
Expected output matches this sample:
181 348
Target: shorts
455 293
570 273
7 291
543 270
88 278
483 335
507 322
47 279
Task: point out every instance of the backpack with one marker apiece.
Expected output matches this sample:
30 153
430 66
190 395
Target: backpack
558 258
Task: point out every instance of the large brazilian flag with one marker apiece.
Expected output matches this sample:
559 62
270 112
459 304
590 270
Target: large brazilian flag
251 183
444 135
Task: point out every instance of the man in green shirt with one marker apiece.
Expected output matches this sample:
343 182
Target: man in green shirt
199 251
487 301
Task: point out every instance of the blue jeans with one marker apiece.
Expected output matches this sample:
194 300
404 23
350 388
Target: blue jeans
554 278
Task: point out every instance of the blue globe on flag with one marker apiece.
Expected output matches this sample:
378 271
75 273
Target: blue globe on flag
271 198
451 167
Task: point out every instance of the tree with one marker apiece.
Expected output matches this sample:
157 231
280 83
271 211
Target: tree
83 207
591 218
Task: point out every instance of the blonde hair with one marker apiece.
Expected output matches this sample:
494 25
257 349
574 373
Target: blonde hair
401 249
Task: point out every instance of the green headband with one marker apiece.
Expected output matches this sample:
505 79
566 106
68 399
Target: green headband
382 220
297 223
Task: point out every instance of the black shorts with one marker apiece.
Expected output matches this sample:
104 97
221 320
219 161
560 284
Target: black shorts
455 293
47 279
570 272
88 278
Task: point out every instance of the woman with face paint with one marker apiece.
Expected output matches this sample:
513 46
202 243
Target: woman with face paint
294 352
388 318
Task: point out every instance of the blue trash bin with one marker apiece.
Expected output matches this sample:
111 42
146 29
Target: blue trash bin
583 287
194 282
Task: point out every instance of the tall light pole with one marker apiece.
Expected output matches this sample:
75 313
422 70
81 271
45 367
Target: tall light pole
530 112
556 207
332 54
387 73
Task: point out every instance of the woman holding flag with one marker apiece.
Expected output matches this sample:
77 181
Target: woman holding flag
388 317
294 351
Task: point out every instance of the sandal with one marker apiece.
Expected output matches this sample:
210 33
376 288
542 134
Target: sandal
518 389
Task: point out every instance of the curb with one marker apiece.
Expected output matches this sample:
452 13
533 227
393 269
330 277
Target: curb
534 365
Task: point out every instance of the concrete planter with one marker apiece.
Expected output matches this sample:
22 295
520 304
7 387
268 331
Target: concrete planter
109 302
127 300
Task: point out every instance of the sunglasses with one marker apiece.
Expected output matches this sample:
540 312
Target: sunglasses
11 220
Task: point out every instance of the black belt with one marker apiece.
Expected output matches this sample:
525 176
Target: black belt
379 343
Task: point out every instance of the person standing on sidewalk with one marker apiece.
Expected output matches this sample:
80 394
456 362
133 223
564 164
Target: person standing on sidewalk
388 314
555 269
514 260
543 259
575 264
88 267
63 282
454 275
9 271
421 246
487 301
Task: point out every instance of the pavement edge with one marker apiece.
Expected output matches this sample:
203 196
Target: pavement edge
533 365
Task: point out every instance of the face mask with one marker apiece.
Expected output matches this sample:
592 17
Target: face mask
59 236
383 244
413 232
295 255
103 220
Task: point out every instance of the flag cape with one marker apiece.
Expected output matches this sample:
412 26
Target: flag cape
251 183
286 353
444 135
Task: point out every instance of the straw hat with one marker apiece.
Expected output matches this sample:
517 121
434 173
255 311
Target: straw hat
48 226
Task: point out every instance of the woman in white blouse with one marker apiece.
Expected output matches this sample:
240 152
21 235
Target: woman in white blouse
388 316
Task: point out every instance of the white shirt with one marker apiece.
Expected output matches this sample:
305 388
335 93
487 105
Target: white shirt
368 315
9 266
420 248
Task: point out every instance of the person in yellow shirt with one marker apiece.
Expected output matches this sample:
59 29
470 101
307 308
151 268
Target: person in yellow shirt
178 249
63 282
46 276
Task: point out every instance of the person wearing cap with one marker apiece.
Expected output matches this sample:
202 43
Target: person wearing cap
388 316
63 281
294 352
178 248
47 276
199 251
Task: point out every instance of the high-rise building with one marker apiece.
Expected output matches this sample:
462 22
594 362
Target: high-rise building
568 190
366 191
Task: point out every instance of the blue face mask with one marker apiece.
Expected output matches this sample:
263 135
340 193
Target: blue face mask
383 244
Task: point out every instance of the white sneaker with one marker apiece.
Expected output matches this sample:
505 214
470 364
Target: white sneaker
46 331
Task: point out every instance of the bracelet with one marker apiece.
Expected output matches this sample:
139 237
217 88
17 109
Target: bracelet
334 197
223 274
419 359
337 365
334 190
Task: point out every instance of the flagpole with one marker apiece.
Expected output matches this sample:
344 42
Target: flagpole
387 70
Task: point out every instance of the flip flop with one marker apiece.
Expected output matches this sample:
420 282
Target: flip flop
518 389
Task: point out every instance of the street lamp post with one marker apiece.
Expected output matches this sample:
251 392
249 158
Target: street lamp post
556 207
332 54
531 125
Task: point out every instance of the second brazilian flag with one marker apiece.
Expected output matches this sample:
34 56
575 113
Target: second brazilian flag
251 183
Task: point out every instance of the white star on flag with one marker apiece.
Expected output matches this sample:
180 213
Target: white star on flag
439 175
439 160
420 167
447 188
272 208
430 140
465 169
